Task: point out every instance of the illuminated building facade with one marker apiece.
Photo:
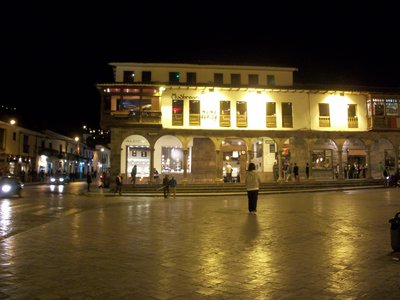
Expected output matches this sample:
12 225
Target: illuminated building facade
192 120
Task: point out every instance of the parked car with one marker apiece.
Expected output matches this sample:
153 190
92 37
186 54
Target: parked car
59 179
10 186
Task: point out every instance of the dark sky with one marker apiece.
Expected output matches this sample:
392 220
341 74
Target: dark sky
54 54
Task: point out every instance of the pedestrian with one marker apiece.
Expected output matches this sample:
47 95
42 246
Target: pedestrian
133 175
156 176
228 171
276 171
296 173
252 186
89 181
118 182
307 170
172 186
165 186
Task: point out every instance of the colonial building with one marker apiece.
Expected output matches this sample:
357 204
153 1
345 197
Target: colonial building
192 120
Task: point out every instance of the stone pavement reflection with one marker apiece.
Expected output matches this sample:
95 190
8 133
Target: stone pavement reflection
333 245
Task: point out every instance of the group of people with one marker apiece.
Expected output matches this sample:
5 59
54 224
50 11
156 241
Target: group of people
169 186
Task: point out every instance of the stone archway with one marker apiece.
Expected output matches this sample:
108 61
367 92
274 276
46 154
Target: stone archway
135 150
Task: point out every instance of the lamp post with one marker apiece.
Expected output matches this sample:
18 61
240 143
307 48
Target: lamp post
77 166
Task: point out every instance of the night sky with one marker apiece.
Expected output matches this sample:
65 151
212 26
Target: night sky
53 55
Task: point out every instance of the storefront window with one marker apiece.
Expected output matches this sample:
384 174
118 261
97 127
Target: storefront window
392 108
171 160
322 159
139 156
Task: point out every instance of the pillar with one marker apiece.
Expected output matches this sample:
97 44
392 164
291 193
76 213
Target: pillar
185 166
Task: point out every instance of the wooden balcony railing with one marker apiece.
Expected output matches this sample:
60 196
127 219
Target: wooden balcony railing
225 120
241 121
324 121
271 122
352 122
194 119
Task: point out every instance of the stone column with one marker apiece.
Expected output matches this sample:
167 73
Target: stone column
279 166
151 173
311 177
340 153
368 175
218 167
185 165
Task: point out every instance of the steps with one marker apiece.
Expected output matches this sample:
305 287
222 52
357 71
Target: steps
265 188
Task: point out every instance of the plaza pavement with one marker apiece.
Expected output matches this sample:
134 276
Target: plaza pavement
331 245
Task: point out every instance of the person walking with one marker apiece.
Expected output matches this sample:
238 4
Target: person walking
228 170
252 182
118 182
165 183
88 181
133 175
307 170
172 186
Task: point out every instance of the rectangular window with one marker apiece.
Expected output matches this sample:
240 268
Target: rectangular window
225 113
241 114
146 76
194 112
253 79
379 107
14 136
270 80
25 146
352 119
177 112
324 116
174 77
191 77
271 115
2 134
129 76
219 78
287 117
235 79
392 108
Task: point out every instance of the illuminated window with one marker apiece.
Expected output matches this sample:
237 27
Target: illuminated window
241 114
194 112
177 112
225 113
352 119
324 116
271 115
379 107
287 117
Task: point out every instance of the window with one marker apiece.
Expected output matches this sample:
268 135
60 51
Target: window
352 116
14 136
271 115
218 78
287 118
271 80
2 132
225 113
129 76
379 107
146 76
194 112
235 79
324 116
191 78
253 79
241 114
177 112
392 108
174 77
25 146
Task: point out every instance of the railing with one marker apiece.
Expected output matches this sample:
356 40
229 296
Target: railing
271 122
194 119
241 121
177 119
287 121
225 120
352 122
324 121
145 116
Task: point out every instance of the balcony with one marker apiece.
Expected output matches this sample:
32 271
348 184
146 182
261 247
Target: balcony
194 119
241 121
225 120
129 117
324 121
352 122
383 122
271 122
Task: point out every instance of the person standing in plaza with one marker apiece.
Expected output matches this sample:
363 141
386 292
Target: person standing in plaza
172 186
118 182
88 181
228 170
252 182
307 170
133 175
165 186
